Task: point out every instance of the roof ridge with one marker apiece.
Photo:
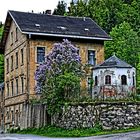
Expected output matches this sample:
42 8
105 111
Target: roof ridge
49 14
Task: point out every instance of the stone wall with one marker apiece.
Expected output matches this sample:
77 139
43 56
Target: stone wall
108 115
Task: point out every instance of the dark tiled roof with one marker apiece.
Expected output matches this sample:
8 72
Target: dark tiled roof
112 62
58 25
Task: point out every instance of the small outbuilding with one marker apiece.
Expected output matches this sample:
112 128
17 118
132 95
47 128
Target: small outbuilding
114 78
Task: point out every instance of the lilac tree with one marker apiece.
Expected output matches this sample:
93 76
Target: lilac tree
58 78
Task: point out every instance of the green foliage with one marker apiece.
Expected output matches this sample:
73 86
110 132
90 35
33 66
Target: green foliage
58 78
1 68
67 88
61 8
108 13
1 31
125 44
68 84
1 60
53 131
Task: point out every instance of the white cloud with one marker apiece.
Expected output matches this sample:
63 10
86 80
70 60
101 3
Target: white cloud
27 6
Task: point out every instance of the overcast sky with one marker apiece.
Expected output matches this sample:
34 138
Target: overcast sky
27 6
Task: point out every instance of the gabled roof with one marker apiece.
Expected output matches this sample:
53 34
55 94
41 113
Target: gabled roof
52 25
113 62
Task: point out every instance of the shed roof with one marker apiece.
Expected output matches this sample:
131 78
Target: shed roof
112 62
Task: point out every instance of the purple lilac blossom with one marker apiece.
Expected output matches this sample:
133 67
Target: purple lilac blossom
63 57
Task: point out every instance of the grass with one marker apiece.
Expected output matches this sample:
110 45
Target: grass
52 131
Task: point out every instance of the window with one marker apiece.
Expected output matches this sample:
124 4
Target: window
8 116
8 89
22 84
90 84
22 58
108 80
96 80
11 63
12 116
7 64
16 34
12 88
11 38
91 57
133 80
17 86
16 59
123 80
40 54
16 118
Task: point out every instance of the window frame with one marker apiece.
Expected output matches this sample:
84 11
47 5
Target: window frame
16 59
16 35
40 53
96 81
93 57
12 37
22 56
123 80
12 88
12 63
108 80
7 85
7 65
22 84
17 86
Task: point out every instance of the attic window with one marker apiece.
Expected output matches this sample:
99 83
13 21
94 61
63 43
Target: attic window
86 29
62 27
37 25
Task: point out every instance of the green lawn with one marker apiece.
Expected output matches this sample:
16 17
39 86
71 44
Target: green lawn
51 131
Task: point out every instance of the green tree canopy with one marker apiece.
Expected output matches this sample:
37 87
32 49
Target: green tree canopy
125 44
61 8
108 13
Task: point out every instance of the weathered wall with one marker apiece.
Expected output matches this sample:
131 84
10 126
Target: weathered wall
108 115
83 52
13 103
116 89
34 116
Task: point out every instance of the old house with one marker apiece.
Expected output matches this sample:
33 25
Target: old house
27 38
114 78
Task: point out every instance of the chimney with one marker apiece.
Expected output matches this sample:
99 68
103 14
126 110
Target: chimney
48 12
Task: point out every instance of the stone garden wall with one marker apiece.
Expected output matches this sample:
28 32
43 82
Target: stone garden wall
108 115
